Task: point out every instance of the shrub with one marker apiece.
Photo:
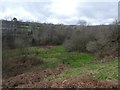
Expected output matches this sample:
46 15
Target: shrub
92 46
105 44
78 41
101 41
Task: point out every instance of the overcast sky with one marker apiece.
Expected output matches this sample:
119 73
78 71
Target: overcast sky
60 11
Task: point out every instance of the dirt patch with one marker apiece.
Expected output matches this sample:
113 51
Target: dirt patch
17 65
26 61
86 82
74 82
38 80
32 77
106 59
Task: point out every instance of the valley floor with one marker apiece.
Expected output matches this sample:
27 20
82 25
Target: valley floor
57 68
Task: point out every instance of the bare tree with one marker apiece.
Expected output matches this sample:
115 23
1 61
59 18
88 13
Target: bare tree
82 22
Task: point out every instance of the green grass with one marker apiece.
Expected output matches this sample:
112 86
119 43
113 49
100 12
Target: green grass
54 56
75 59
106 71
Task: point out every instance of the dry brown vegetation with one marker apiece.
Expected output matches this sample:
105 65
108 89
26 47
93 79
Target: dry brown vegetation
37 80
18 65
32 77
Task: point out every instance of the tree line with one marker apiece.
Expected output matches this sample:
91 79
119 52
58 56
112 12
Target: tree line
101 40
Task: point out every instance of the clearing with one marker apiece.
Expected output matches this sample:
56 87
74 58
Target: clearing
58 68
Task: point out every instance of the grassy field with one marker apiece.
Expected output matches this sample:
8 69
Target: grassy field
53 56
80 64
105 71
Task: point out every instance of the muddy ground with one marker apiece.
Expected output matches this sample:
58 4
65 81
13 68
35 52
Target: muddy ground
18 65
74 82
32 77
38 79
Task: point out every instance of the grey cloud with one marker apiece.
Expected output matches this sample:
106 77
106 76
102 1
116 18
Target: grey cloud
94 12
99 11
